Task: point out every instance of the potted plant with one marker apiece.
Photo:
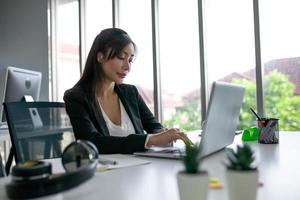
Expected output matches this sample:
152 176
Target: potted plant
241 174
192 182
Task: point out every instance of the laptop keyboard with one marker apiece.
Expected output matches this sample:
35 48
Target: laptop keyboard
169 151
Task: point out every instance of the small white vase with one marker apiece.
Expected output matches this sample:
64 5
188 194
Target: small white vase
192 186
242 185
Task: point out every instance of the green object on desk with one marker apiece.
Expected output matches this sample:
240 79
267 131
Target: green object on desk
251 134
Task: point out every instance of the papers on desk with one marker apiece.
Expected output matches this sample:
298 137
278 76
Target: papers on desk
121 161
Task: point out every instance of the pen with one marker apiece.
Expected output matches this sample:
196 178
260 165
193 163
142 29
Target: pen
255 114
105 161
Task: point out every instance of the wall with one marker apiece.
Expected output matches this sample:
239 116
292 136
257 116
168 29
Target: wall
24 38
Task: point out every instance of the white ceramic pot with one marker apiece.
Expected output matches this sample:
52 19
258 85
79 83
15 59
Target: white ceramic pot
242 185
192 186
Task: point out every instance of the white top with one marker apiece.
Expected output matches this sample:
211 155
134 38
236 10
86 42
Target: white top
126 128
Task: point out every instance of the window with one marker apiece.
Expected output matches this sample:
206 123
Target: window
135 19
98 16
281 61
67 68
180 64
230 49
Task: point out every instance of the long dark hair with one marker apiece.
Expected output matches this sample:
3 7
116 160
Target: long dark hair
110 43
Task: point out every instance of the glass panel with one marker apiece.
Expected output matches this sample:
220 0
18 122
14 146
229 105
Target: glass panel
40 130
230 49
281 59
67 70
98 17
135 19
180 64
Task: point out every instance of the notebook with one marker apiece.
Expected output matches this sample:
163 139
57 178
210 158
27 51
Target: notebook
220 125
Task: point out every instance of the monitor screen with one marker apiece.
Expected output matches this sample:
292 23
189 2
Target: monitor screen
19 83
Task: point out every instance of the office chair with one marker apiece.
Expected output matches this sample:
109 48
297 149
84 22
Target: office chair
38 130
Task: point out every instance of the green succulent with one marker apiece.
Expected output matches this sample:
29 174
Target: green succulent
241 159
190 159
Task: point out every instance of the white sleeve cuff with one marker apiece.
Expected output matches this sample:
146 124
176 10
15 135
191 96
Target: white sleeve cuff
147 138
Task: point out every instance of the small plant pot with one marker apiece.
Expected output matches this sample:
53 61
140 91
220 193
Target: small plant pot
242 185
192 186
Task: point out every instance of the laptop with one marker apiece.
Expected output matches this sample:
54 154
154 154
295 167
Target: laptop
220 125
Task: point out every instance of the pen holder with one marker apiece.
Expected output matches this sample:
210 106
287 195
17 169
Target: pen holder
269 130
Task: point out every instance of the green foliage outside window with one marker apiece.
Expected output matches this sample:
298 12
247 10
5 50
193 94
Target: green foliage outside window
187 118
246 118
280 102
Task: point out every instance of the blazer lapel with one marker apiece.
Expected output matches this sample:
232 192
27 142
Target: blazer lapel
98 115
129 109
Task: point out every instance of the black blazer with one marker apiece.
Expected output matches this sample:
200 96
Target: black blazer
88 122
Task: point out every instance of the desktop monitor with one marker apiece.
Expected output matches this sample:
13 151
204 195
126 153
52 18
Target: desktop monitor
19 83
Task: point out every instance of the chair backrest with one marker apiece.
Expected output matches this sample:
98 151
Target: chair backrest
38 130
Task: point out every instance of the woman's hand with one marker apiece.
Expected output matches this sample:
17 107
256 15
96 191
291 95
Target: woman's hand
165 136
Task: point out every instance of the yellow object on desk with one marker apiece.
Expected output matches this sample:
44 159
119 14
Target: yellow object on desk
215 183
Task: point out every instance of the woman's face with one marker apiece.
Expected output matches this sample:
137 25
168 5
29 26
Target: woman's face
116 69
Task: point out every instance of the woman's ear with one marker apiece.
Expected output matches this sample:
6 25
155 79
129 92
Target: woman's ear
100 57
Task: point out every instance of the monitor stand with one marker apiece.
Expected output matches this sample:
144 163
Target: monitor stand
35 117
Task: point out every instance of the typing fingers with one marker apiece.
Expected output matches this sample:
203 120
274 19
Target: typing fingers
162 130
174 134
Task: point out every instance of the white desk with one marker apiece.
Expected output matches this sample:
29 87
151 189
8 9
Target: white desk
278 171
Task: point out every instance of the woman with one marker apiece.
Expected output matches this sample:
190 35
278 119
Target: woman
106 112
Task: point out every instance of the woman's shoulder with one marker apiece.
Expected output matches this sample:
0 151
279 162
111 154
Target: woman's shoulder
75 92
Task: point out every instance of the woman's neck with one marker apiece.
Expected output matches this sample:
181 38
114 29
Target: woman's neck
105 89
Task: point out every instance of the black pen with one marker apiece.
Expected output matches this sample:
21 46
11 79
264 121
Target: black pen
255 114
105 161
